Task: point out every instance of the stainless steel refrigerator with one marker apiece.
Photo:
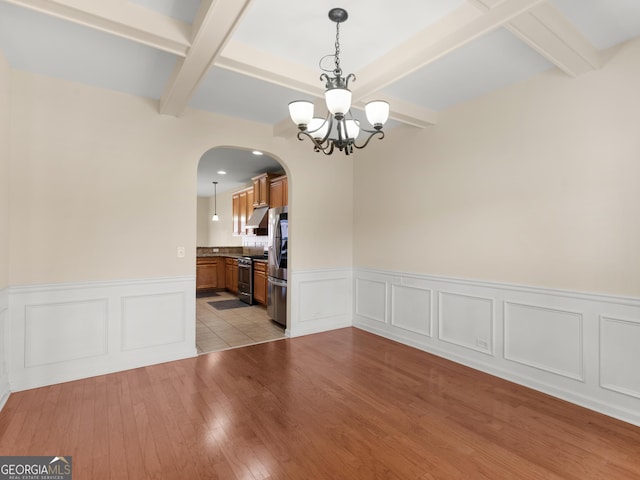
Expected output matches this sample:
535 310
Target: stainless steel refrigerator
277 266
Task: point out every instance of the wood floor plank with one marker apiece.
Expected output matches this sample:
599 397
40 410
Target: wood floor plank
344 404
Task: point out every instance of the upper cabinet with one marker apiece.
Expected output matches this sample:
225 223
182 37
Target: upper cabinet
278 192
242 206
268 190
261 192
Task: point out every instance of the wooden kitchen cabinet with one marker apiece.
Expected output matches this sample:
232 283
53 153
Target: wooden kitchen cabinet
242 208
278 192
249 231
260 282
231 274
235 207
261 190
209 273
243 211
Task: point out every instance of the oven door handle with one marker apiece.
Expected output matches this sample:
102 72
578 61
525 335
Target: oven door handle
277 282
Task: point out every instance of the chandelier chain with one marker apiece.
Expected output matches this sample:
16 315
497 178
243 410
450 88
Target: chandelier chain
338 70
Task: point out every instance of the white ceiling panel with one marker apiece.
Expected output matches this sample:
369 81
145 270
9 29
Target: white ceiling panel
301 31
604 22
229 93
491 62
184 10
49 46
239 165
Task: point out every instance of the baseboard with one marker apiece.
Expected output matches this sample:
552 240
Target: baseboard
63 332
572 345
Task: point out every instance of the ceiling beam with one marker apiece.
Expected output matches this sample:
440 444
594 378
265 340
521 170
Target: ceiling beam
247 60
122 18
545 29
459 28
215 23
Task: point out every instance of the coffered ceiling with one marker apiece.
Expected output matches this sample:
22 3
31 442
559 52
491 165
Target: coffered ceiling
250 58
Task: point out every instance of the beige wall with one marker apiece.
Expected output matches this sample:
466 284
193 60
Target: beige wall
203 220
105 188
4 172
221 232
535 184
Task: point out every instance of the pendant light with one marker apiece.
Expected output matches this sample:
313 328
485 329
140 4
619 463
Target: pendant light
215 217
339 129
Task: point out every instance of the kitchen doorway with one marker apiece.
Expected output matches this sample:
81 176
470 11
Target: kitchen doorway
232 184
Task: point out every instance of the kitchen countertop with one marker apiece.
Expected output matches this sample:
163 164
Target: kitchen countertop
230 255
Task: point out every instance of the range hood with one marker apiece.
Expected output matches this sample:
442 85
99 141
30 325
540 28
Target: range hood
259 218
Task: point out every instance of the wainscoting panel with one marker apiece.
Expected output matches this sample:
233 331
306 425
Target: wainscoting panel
411 309
466 321
59 332
321 300
544 338
371 299
620 345
581 347
63 332
152 320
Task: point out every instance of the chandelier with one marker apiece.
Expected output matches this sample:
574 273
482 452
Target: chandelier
339 129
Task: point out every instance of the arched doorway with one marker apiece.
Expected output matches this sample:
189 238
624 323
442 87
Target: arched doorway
231 273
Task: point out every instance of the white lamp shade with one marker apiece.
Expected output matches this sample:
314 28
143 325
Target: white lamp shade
353 129
338 100
215 218
301 112
377 112
318 127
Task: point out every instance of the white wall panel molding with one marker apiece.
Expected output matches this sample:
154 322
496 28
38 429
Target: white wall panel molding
466 320
4 344
153 320
66 331
411 308
63 332
577 346
620 345
371 300
544 338
320 300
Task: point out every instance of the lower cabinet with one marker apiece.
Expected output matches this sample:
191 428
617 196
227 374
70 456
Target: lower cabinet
260 282
209 273
231 274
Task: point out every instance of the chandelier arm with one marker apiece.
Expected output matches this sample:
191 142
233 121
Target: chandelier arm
327 148
328 118
373 133
351 76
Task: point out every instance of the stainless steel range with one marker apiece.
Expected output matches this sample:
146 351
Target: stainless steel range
245 278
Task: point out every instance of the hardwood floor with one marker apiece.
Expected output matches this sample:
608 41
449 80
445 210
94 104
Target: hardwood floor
338 405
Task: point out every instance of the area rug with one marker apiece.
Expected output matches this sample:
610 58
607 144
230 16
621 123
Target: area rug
228 304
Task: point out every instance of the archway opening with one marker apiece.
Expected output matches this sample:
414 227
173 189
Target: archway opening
236 298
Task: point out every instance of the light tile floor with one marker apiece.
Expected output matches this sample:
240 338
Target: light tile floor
221 329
